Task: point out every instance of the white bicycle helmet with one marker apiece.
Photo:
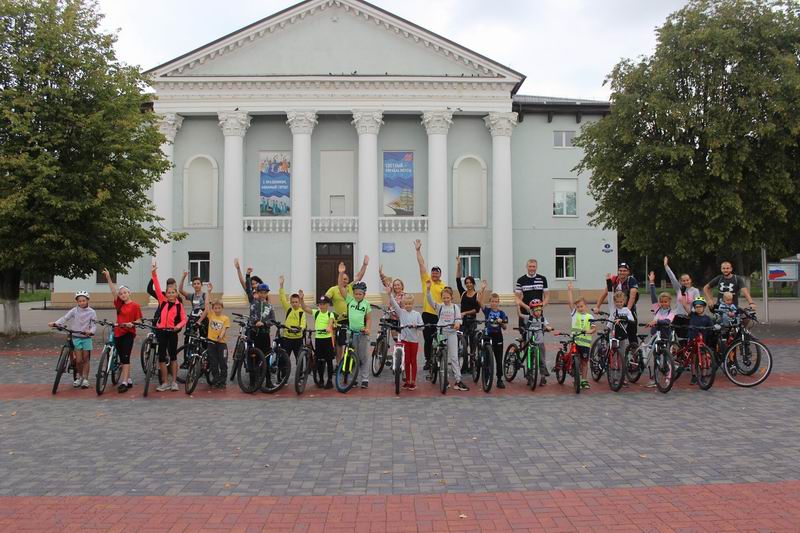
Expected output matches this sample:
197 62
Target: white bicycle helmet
85 294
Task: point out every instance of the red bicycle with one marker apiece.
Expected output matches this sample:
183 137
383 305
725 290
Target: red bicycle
568 361
694 356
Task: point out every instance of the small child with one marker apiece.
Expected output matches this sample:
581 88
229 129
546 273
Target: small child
449 315
80 318
582 325
536 325
496 322
218 326
726 310
324 328
261 311
410 337
359 312
663 313
292 341
698 319
619 315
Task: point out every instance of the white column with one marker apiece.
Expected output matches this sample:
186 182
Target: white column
163 191
500 125
437 124
302 124
234 124
367 124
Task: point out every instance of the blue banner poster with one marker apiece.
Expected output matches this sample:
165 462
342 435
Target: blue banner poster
275 170
398 184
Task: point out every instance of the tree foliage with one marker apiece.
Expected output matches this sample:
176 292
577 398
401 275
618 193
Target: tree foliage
700 154
77 152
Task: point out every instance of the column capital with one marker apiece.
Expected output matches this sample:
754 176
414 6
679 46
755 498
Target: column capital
501 124
169 125
367 121
437 121
301 121
234 123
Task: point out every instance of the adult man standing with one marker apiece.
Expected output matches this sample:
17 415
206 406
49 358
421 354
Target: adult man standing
429 315
530 286
623 282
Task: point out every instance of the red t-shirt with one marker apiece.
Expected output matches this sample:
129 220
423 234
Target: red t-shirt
126 312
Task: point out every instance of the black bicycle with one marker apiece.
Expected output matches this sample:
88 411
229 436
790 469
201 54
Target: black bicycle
149 355
277 364
248 361
483 369
744 359
194 343
380 350
197 365
598 360
66 359
307 364
438 367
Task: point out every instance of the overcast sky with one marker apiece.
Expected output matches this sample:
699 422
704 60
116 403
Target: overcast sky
565 47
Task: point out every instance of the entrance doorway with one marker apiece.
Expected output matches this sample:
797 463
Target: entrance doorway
329 255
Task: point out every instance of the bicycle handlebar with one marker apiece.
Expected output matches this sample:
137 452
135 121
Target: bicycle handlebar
72 331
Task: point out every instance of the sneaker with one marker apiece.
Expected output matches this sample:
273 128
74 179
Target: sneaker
328 385
406 385
364 384
651 384
174 386
122 388
585 384
427 366
85 383
545 372
542 381
460 386
130 383
693 381
77 383
413 386
500 384
163 387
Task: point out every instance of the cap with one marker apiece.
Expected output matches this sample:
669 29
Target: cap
324 300
624 265
262 287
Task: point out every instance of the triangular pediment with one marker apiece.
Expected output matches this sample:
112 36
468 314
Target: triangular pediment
333 38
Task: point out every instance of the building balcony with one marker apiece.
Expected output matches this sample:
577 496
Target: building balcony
335 224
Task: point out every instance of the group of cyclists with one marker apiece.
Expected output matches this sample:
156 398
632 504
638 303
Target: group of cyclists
461 332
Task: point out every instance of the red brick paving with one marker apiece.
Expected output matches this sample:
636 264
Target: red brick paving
35 391
724 507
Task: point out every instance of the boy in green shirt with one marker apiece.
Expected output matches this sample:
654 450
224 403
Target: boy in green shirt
358 321
324 327
581 323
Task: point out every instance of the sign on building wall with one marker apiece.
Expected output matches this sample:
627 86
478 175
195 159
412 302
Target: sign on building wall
398 184
782 271
275 170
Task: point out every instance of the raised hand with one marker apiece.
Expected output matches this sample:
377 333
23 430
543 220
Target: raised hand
210 287
302 295
666 261
570 286
417 245
153 266
609 276
484 284
428 284
236 263
106 273
249 270
185 273
366 259
281 280
342 268
652 277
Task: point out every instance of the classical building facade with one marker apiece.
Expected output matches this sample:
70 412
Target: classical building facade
334 130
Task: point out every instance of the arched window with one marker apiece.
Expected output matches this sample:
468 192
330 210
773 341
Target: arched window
200 191
469 191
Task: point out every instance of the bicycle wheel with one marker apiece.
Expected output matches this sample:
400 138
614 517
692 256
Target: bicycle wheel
151 367
316 372
664 369
442 364
397 365
634 363
301 372
101 378
193 373
433 367
476 365
250 372
747 363
704 367
487 372
116 367
511 362
183 373
379 355
346 371
463 351
597 361
533 360
576 372
61 366
560 367
277 367
616 370
238 357
148 341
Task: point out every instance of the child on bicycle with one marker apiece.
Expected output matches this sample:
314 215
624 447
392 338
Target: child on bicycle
663 312
292 341
496 322
80 318
726 310
449 315
324 329
171 319
359 321
581 325
262 314
698 320
410 336
128 314
218 326
538 324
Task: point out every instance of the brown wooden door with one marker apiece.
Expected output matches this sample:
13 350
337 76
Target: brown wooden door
329 255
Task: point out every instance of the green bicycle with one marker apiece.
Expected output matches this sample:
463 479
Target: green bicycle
109 364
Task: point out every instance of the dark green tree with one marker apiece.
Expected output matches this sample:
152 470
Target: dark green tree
700 154
77 151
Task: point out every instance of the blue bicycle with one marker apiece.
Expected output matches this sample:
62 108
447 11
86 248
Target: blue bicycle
109 364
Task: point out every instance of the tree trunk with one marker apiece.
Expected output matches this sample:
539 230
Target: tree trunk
9 293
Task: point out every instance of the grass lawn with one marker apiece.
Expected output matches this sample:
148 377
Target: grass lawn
35 296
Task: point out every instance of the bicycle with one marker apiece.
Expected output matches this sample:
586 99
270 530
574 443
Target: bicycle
150 356
613 362
438 366
198 365
380 352
109 364
694 355
248 361
148 340
597 362
66 359
484 358
347 369
277 364
743 365
468 332
568 361
398 358
307 364
523 353
193 343
661 346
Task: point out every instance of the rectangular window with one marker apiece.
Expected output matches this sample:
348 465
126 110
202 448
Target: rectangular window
470 262
563 139
565 263
200 265
100 279
565 197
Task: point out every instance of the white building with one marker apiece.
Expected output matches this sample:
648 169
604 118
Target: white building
390 133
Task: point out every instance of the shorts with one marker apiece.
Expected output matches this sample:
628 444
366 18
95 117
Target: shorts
323 349
341 332
583 351
82 343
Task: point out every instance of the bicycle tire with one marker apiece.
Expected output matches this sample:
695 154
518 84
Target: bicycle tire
238 357
316 372
193 374
533 371
250 373
487 372
151 365
116 367
443 377
277 372
705 367
301 372
664 369
61 366
379 355
346 371
148 341
397 367
576 372
476 366
616 370
182 372
559 368
433 367
101 378
463 351
761 368
633 363
511 362
596 360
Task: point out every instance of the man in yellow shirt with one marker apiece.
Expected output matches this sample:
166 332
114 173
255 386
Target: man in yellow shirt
292 341
429 315
339 303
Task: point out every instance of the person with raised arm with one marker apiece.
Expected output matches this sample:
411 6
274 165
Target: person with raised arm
129 313
324 330
410 321
218 326
469 311
339 300
171 320
429 315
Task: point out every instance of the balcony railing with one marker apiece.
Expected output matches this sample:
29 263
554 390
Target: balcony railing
267 224
403 224
335 224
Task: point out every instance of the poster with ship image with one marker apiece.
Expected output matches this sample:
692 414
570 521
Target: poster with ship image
275 171
398 184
